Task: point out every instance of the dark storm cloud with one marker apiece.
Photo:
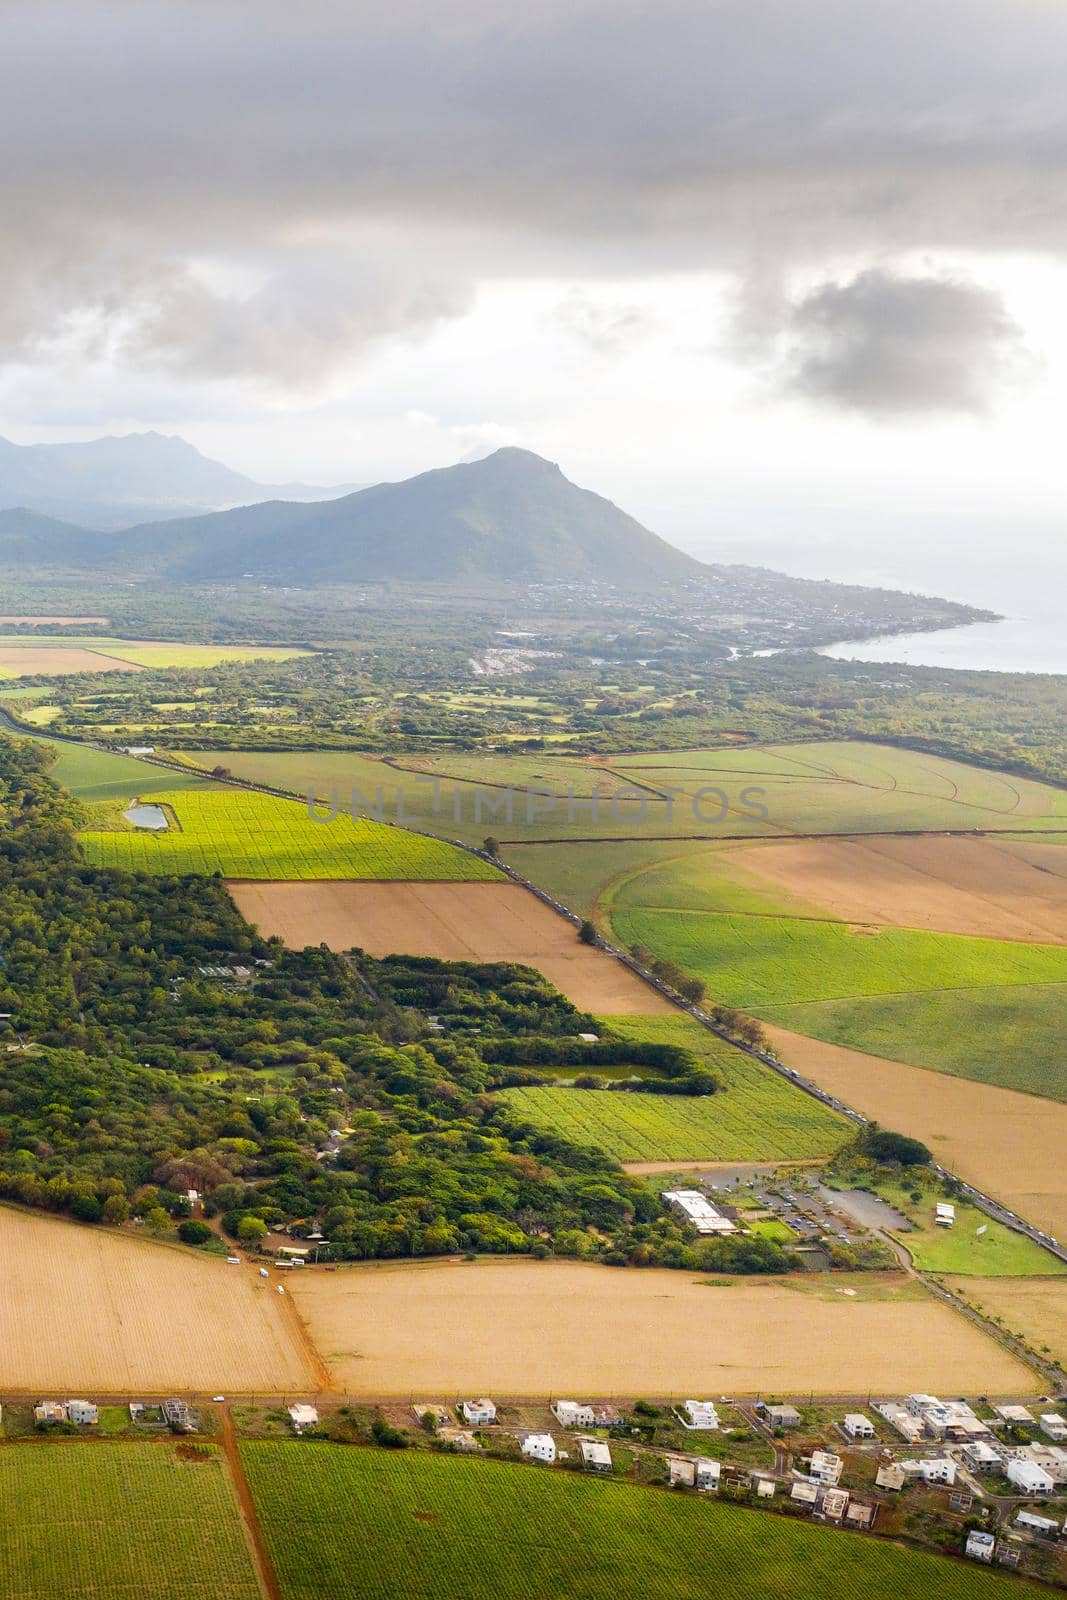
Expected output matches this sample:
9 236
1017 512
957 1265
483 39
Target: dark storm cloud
884 343
360 166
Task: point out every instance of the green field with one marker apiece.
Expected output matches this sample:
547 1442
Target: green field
247 835
998 1252
756 1116
836 787
1012 1036
98 775
770 962
119 1521
151 652
413 1526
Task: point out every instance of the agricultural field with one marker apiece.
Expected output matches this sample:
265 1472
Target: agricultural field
88 1308
757 1115
152 1521
836 787
767 962
65 653
56 661
496 921
452 1527
243 834
1011 1036
512 1326
1007 1144
1036 1309
100 776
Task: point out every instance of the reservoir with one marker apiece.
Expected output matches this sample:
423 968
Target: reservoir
142 816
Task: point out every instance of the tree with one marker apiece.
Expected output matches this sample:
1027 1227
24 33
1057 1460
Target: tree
116 1209
87 1208
192 1232
250 1229
881 1145
587 933
491 846
157 1221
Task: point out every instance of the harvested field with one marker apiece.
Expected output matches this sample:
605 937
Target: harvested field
1036 1308
7 617
86 1308
54 661
512 1327
453 921
1007 1144
949 885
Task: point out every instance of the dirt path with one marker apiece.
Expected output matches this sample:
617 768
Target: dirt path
257 1544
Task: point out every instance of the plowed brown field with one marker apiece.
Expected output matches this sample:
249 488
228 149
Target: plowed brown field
542 1328
86 1308
453 921
1034 1307
24 661
1009 1145
995 889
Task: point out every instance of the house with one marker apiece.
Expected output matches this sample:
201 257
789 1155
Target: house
1052 1457
699 1414
697 1210
859 1515
681 1470
1053 1425
891 1476
708 1473
460 1439
980 1456
806 1494
1015 1414
177 1414
907 1425
608 1416
83 1412
825 1468
303 1417
944 1214
765 1488
857 1426
980 1546
834 1504
782 1416
477 1412
49 1412
1048 1527
595 1455
941 1419
937 1469
570 1414
1028 1477
539 1447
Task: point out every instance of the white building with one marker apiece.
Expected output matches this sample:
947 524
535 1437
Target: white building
905 1422
765 1488
595 1455
695 1208
937 1469
570 1414
478 1412
980 1546
699 1414
834 1504
539 1447
1047 1526
806 1493
825 1468
303 1417
891 1476
708 1473
83 1412
1029 1477
1053 1425
858 1426
944 1214
1017 1414
980 1456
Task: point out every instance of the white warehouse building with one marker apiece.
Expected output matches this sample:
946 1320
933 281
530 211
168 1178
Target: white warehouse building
695 1208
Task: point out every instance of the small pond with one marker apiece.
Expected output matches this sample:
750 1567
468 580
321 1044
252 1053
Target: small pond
153 817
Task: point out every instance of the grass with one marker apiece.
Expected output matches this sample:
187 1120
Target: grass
154 653
999 1252
248 835
415 1526
757 1116
1011 1036
122 1520
770 962
97 775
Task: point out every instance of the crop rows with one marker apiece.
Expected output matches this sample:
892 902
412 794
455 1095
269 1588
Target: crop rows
248 835
119 1519
415 1526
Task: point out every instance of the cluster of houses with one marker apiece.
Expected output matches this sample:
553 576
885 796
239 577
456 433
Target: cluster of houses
1032 1468
50 1413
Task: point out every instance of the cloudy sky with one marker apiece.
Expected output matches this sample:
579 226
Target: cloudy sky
769 272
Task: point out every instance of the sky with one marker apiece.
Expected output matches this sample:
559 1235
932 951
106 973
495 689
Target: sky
775 276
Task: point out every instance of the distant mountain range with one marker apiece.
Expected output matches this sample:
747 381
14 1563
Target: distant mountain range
510 518
139 477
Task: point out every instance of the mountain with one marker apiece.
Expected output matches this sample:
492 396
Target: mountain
30 539
137 477
511 517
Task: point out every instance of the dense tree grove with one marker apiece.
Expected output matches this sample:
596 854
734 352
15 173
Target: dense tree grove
155 1044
